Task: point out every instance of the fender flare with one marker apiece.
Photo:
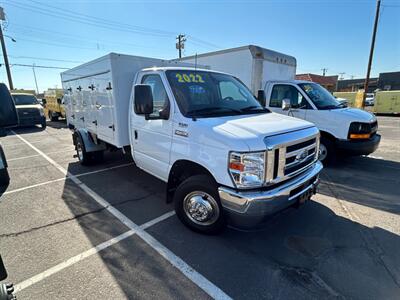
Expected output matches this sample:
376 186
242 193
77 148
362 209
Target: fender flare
90 145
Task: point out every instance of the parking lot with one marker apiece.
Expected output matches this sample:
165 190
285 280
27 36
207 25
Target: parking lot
105 231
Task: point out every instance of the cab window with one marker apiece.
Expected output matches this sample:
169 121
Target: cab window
160 97
285 91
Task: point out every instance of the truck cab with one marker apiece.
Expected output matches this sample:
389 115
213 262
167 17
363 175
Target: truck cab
219 150
343 129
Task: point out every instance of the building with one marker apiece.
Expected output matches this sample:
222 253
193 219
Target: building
386 81
353 85
328 82
389 81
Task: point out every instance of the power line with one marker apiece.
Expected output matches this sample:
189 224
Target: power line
38 66
42 58
95 21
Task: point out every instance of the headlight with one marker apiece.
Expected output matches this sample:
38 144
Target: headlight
247 169
41 112
359 130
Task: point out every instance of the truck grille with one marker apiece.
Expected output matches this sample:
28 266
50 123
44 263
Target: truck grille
285 161
26 113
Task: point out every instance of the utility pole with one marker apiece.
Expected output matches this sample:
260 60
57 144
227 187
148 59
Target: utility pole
324 70
34 76
180 44
371 52
3 47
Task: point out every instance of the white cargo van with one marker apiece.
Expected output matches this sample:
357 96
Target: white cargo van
343 129
224 157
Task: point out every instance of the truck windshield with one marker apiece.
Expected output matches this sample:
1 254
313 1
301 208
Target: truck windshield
208 94
320 96
25 99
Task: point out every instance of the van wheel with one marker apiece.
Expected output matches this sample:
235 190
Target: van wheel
327 153
198 206
83 156
44 124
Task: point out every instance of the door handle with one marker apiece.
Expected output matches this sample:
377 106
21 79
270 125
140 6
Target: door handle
98 106
136 134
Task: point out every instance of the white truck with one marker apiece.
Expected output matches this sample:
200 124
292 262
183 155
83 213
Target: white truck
223 156
343 129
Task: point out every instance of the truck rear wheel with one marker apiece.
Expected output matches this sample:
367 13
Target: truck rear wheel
83 156
198 206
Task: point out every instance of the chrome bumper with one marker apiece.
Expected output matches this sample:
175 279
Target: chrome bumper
249 208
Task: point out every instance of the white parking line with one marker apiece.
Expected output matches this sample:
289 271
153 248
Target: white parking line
36 155
65 178
77 258
198 279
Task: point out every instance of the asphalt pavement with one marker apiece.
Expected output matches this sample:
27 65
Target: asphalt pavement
105 231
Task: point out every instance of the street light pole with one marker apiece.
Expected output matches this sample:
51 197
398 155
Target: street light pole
3 47
34 76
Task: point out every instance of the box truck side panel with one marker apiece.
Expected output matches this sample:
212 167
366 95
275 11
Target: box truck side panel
277 71
238 63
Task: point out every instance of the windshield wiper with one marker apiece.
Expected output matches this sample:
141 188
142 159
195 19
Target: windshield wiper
329 107
254 108
212 109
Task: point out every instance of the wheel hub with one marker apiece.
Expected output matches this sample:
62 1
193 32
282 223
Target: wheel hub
201 208
79 151
323 152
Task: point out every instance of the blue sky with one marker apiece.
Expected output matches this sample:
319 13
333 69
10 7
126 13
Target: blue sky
321 34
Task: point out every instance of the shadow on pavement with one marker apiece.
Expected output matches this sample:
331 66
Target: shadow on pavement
305 253
57 124
365 181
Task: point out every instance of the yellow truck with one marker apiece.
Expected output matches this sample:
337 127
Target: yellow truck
53 104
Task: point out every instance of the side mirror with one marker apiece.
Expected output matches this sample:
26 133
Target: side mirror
261 97
58 100
8 113
3 272
143 99
286 104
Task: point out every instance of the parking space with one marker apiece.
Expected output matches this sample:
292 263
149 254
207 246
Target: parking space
105 232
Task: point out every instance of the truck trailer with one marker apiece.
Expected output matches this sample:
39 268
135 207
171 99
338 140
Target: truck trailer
224 157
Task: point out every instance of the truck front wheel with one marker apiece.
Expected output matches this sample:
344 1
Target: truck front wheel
198 206
327 153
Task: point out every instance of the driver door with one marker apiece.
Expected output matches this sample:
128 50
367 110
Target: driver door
299 104
152 138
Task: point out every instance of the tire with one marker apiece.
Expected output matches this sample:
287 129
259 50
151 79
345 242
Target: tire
84 157
327 153
52 117
193 197
44 124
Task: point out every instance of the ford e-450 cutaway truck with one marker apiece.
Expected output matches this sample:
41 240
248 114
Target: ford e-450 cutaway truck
223 156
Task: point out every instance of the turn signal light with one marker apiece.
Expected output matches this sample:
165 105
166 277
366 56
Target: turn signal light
359 136
236 166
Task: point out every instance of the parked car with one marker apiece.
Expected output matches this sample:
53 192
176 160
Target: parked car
223 156
8 118
30 111
348 130
369 99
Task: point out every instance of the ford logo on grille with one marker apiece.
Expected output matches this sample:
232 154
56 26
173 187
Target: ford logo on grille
301 156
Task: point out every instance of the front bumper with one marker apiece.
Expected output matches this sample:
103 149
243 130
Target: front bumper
31 121
250 208
362 147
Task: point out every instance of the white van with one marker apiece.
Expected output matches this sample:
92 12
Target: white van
348 130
